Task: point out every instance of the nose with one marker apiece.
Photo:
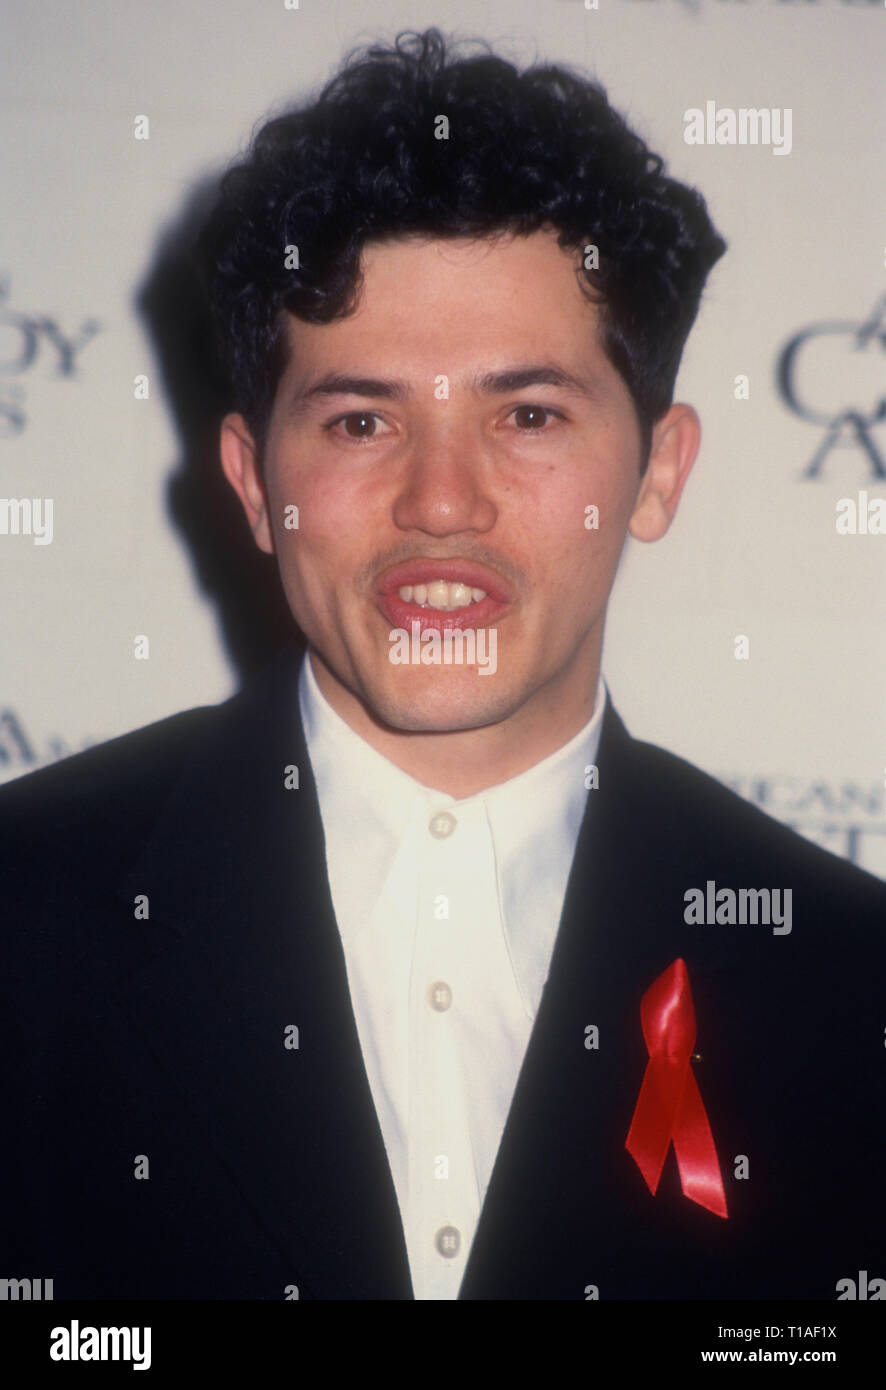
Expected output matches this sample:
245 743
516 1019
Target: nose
445 487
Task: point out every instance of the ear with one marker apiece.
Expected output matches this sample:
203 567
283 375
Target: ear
675 441
239 459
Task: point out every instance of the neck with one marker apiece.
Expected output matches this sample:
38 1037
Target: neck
464 762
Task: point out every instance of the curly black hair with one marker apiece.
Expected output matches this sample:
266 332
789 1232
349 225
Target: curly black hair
526 150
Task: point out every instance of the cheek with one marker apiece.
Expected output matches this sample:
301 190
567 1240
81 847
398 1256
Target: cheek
611 485
329 519
579 519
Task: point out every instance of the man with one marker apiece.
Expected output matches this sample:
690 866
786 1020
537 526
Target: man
408 972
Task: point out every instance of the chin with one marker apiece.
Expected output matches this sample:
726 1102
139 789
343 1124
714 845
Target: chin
427 705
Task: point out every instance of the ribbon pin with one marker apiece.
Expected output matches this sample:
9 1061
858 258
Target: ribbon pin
669 1106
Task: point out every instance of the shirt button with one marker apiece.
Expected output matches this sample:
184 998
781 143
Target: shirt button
440 996
442 825
447 1241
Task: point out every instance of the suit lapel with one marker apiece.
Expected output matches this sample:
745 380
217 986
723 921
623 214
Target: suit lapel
246 948
565 1199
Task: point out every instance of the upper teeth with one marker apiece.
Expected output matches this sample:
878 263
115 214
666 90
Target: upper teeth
440 594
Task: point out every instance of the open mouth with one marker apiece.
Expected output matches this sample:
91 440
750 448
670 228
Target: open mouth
442 594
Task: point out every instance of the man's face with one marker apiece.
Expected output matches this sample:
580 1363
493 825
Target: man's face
456 427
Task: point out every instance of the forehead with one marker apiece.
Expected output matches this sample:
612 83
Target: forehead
446 304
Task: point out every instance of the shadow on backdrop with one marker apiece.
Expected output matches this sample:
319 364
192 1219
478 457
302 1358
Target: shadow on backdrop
240 580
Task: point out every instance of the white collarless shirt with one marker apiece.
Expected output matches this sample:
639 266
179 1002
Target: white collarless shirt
448 912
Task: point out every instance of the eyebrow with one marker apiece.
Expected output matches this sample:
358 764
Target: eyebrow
489 383
534 374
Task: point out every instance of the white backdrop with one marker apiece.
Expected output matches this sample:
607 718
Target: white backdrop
799 726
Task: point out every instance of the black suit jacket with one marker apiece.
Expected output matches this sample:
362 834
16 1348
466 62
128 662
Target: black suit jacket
127 1039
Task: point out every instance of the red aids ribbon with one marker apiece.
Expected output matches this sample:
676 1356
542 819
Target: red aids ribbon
670 1106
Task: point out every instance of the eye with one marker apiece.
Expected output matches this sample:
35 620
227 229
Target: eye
533 417
358 424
